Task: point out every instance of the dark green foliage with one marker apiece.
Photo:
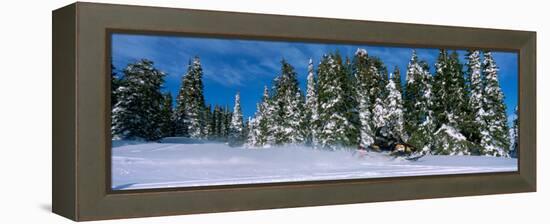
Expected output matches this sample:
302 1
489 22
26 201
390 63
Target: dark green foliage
338 124
137 114
190 106
288 102
208 117
418 104
236 126
448 141
449 90
311 113
115 83
495 139
515 136
167 128
473 123
396 77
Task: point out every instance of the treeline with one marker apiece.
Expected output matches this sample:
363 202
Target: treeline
349 102
141 111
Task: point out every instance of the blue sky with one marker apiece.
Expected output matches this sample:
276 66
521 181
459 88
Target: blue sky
231 65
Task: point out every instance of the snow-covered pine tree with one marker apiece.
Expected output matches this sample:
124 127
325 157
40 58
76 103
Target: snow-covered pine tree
450 106
208 129
167 127
311 108
236 127
396 77
262 128
252 137
288 105
246 129
450 90
449 141
189 115
378 92
115 83
379 122
378 79
137 113
222 123
228 115
366 133
418 103
494 139
459 92
214 123
337 127
441 78
475 122
266 126
514 136
394 113
427 127
413 93
362 84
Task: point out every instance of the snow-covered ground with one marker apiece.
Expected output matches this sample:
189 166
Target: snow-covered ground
183 163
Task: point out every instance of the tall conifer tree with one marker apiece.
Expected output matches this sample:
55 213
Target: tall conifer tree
236 127
495 139
137 112
337 127
190 106
288 105
311 108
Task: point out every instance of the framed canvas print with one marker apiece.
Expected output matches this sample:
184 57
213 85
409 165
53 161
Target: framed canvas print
202 111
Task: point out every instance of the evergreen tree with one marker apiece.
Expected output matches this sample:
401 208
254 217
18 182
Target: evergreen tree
362 84
379 78
450 104
236 127
394 113
514 136
379 122
379 93
115 83
228 115
474 122
252 136
450 93
167 127
418 104
190 107
413 94
288 105
208 130
215 123
337 126
396 77
440 93
137 112
424 134
494 139
311 108
266 126
222 123
246 129
449 141
459 92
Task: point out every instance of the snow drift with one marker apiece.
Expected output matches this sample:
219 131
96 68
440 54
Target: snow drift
177 162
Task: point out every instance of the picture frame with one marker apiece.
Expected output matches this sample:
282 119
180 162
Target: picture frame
81 112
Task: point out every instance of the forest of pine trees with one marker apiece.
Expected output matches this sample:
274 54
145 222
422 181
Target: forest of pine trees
348 103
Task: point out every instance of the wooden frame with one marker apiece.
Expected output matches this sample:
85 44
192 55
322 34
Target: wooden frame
81 112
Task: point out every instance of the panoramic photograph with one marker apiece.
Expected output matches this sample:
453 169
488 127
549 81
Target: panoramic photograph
197 111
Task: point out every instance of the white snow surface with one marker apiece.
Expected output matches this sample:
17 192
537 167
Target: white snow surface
178 162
